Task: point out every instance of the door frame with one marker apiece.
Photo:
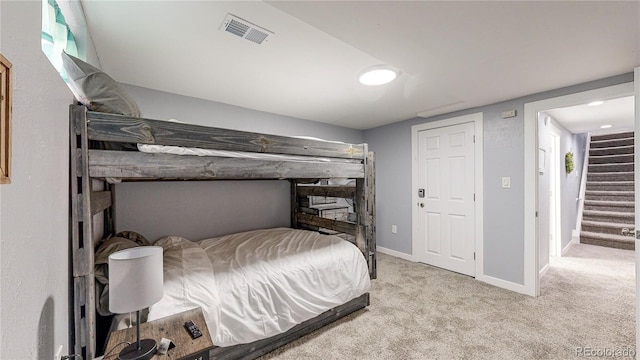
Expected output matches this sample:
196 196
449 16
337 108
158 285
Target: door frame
477 120
636 169
555 222
531 244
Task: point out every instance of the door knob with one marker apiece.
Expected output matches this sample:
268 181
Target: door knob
421 205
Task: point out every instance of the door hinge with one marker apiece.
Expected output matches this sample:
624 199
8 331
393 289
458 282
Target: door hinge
474 256
536 214
474 139
474 197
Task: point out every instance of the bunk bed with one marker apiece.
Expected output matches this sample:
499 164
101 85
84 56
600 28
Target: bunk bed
237 155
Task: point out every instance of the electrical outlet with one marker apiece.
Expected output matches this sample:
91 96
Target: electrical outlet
394 229
58 355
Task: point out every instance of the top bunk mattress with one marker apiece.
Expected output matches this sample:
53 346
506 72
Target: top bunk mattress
193 151
258 284
179 150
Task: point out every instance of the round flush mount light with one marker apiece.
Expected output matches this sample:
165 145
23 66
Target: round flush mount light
377 75
596 103
606 126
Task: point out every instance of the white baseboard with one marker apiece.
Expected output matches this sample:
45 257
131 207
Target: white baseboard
544 270
397 254
480 277
508 285
574 240
575 236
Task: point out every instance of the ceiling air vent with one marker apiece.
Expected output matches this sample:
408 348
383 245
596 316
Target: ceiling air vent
244 29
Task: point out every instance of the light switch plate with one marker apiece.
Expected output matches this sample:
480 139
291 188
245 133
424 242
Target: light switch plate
506 182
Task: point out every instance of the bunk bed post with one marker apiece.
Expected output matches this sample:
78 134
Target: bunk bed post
294 203
81 234
363 214
370 171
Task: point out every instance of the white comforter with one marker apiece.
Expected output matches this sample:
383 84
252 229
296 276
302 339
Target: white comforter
257 284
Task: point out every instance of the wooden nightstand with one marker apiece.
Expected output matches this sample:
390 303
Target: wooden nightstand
172 328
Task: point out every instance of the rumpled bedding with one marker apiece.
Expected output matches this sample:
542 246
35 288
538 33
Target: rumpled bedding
258 284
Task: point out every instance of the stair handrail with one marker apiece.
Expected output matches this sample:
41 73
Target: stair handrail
583 188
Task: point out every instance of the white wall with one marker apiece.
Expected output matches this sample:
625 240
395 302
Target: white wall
34 273
544 203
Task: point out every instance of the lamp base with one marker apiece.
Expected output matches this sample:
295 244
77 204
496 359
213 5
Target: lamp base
147 349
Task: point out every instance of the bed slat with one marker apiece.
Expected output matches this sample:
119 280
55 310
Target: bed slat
347 192
100 200
118 128
136 165
336 225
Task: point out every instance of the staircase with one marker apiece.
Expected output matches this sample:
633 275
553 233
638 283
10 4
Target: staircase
609 197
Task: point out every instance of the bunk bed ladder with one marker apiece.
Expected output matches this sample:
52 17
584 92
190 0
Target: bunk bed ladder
85 203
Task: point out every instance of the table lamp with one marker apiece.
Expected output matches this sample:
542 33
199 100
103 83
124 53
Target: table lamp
135 283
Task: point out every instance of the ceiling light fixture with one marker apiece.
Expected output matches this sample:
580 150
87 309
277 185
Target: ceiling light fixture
377 75
605 126
596 103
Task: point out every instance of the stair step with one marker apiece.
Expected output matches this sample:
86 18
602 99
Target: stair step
611 143
606 195
608 240
608 216
603 205
627 149
619 167
605 227
610 176
611 159
620 135
609 204
611 185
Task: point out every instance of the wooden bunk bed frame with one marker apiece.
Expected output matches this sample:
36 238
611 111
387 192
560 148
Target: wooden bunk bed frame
93 173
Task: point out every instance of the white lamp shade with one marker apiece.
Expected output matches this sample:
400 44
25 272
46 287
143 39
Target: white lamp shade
135 279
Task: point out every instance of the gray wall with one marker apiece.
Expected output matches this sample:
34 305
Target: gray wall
198 210
161 105
34 242
503 156
570 183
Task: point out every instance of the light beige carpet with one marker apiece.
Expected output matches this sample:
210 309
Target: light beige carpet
422 312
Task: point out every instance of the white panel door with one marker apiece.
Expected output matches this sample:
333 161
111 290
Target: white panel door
447 210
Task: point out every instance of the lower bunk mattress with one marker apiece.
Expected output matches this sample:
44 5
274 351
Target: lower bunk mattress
257 284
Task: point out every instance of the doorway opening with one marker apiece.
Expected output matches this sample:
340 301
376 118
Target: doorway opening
532 242
597 206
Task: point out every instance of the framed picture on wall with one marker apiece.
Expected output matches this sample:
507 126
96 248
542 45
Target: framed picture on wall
5 120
